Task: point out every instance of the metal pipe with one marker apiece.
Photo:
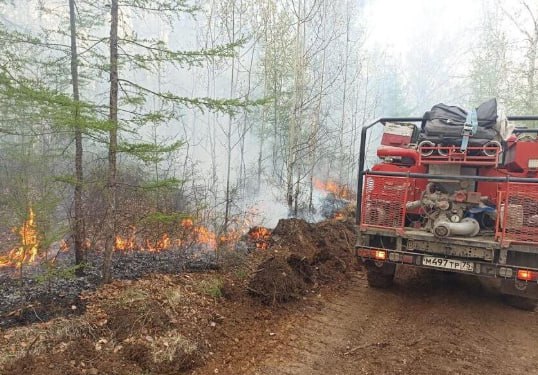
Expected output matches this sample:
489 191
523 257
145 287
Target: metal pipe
467 227
522 118
525 131
449 177
388 151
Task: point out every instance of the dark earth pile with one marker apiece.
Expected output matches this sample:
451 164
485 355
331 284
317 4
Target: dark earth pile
303 255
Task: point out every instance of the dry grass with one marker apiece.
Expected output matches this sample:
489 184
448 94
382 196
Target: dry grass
174 347
38 339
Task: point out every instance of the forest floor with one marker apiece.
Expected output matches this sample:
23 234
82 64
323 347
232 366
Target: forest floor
235 321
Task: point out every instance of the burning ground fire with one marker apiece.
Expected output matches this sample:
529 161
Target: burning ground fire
329 186
192 235
131 243
188 234
260 236
28 249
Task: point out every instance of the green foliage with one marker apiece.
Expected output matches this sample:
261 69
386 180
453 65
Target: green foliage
163 184
38 116
53 272
45 103
241 273
164 218
212 287
149 152
151 53
230 106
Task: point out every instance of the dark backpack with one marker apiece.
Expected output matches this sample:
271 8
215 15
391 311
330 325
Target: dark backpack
444 123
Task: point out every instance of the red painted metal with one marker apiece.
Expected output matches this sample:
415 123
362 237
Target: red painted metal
384 200
517 213
398 152
452 155
416 185
395 134
518 156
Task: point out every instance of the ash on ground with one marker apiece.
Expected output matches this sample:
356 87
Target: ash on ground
44 293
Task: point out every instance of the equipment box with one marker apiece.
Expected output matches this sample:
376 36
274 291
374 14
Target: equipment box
399 134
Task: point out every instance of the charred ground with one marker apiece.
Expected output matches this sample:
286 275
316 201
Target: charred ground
234 321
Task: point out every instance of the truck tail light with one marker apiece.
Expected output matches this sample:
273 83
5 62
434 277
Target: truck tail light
380 255
527 275
376 254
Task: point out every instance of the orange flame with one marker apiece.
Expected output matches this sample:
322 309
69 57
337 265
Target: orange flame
205 236
64 246
339 216
132 243
340 191
191 233
187 223
161 244
201 234
28 250
125 243
260 236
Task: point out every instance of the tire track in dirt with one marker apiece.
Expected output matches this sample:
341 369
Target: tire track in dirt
428 323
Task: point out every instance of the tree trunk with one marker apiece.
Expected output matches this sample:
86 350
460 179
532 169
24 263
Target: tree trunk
264 112
295 123
342 159
229 146
113 141
78 225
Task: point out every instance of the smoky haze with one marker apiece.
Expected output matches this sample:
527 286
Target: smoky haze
305 75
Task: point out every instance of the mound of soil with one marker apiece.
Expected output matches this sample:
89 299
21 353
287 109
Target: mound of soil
315 241
170 354
276 281
77 357
303 253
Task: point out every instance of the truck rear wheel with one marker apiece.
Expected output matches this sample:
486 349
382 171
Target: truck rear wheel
380 276
522 303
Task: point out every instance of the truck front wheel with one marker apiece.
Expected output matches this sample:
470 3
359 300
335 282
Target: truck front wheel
380 275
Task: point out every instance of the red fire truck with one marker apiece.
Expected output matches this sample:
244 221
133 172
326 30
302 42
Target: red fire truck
453 191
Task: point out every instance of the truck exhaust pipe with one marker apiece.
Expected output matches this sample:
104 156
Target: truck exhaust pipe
467 227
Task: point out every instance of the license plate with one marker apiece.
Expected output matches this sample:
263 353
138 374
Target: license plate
450 264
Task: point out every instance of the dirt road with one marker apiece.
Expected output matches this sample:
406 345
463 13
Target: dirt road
428 323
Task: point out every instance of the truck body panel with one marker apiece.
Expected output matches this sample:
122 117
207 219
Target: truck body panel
471 210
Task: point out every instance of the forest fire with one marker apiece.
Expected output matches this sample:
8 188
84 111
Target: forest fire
4 262
125 244
28 249
161 244
329 186
186 234
131 243
260 236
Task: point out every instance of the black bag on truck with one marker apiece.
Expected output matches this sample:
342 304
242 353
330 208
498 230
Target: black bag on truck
444 124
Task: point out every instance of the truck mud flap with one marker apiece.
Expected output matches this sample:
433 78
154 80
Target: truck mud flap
519 288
